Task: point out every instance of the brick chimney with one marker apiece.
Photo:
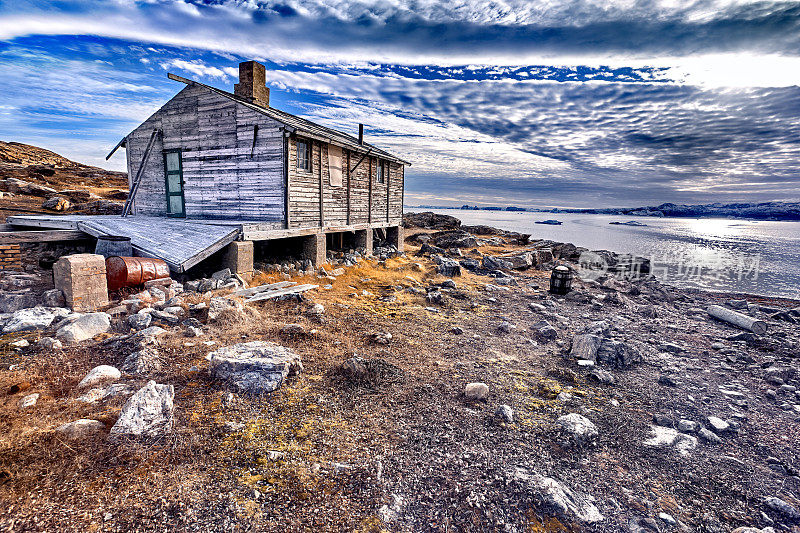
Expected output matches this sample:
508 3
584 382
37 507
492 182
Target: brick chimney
252 84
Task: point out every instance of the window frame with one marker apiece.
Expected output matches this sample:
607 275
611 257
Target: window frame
307 158
381 171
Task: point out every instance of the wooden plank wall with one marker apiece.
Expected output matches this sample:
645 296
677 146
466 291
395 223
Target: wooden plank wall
222 179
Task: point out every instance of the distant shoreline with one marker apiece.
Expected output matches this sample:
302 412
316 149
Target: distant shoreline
765 211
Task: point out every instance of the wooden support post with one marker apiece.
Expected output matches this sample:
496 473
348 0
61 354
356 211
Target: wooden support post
321 192
348 187
388 189
369 200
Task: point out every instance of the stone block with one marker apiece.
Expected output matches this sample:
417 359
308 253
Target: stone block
82 279
238 256
315 249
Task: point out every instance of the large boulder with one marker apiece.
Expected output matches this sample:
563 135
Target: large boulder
430 220
454 239
495 263
84 328
449 267
518 261
257 367
617 354
142 361
148 413
33 318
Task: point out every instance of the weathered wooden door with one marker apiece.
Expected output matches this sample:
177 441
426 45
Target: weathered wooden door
173 174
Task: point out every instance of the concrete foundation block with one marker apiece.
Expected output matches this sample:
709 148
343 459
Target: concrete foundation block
396 236
315 248
238 257
82 279
364 239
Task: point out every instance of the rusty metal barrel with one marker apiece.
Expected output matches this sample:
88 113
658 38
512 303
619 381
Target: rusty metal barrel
560 280
132 271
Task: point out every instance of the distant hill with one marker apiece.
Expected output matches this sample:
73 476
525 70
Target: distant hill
34 164
759 211
34 179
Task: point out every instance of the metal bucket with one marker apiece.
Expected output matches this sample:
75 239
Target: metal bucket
132 271
111 245
560 280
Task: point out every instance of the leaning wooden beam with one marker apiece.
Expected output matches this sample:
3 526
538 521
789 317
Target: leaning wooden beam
281 292
120 143
135 183
759 327
15 237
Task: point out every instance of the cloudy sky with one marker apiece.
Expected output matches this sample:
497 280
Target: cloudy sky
523 102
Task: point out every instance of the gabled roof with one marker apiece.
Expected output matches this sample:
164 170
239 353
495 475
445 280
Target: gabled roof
302 126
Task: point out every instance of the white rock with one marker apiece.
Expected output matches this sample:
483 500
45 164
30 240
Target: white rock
99 374
717 424
578 427
81 428
147 413
476 391
29 400
84 328
669 437
33 318
219 304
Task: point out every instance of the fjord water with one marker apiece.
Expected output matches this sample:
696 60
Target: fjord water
725 255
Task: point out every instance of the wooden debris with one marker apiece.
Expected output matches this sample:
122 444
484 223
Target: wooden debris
759 327
281 292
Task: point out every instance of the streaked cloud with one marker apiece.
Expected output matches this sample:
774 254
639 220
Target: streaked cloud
530 102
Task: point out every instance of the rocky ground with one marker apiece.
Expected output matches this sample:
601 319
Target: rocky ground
33 179
440 390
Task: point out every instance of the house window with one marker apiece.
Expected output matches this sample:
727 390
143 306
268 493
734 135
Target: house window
303 155
381 171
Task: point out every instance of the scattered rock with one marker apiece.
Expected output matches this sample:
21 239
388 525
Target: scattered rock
256 367
142 361
139 321
505 414
80 429
717 424
382 338
193 331
476 391
29 400
148 413
218 304
53 298
544 330
664 437
601 376
577 429
556 497
782 507
99 374
708 435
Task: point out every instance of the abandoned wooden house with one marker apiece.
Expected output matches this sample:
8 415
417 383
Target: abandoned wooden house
212 169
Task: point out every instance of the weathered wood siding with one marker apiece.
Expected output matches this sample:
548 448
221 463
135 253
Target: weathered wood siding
224 181
221 178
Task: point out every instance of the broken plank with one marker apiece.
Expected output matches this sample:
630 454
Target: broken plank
14 237
262 288
281 292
